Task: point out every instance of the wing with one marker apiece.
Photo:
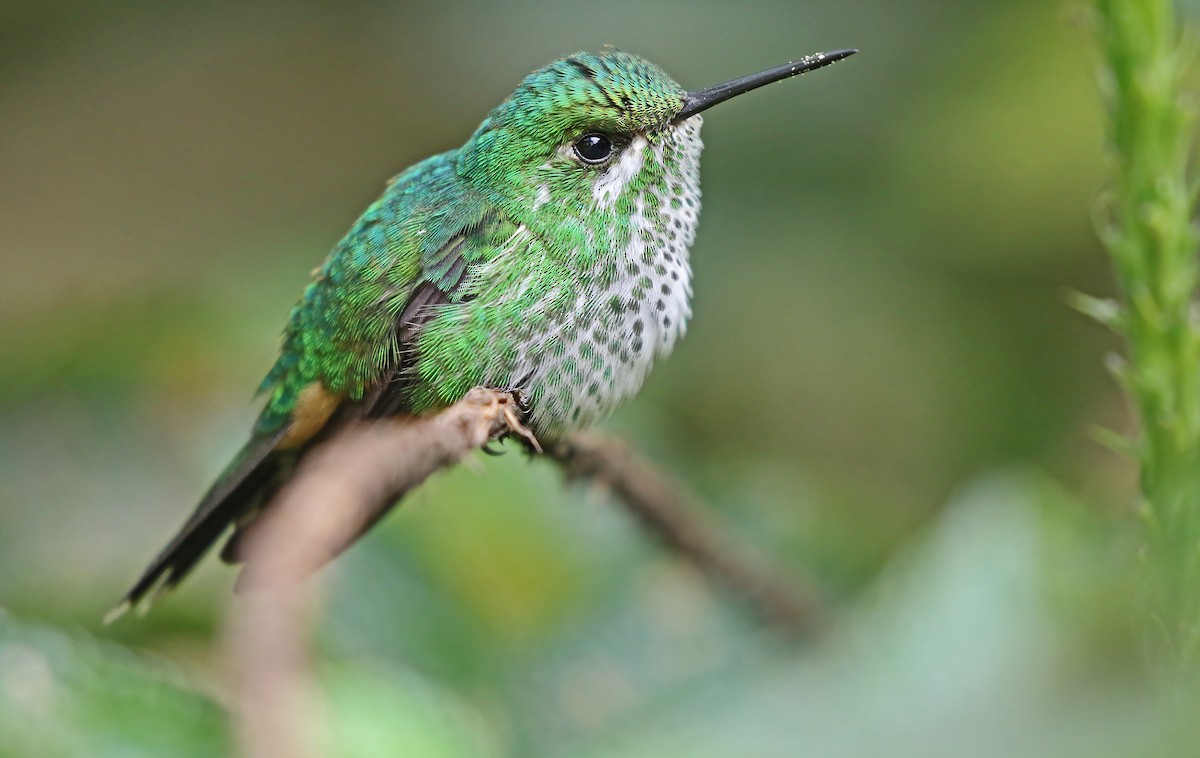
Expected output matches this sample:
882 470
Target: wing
408 253
440 285
444 273
347 333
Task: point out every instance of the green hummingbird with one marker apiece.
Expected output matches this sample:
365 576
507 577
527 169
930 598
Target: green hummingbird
549 254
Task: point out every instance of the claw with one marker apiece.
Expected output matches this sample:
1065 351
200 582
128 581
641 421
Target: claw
512 413
492 451
514 423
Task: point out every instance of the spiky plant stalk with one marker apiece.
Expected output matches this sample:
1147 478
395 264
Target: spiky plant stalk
1149 231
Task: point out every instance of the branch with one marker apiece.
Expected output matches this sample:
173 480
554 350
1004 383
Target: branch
341 488
661 506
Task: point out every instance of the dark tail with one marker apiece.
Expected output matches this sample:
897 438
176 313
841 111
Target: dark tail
237 491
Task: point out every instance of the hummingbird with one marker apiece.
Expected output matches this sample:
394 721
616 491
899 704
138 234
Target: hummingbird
548 255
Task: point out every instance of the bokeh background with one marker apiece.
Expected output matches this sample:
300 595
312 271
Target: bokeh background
882 389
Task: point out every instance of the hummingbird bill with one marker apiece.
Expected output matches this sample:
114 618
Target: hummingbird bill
549 254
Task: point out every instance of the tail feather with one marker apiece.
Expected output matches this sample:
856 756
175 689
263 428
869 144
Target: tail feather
233 494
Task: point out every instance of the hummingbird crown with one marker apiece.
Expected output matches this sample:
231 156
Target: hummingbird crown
611 91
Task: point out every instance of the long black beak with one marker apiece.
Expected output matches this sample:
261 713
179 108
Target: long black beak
702 99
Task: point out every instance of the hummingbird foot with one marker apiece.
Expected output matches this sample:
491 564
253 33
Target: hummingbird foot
513 412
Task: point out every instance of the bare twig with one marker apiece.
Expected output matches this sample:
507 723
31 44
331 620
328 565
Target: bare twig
344 486
662 507
339 490
277 706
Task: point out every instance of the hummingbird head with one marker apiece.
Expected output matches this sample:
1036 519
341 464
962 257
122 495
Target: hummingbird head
595 162
569 127
593 134
577 131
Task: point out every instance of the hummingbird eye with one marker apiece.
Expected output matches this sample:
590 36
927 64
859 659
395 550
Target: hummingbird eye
594 148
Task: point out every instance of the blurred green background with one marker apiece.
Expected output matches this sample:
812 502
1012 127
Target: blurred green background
881 387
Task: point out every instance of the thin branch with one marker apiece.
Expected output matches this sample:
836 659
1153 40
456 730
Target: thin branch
663 508
339 490
344 486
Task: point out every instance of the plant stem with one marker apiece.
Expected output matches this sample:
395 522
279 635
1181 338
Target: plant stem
1150 236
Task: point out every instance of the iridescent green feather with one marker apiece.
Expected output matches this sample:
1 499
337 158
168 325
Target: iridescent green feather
341 333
